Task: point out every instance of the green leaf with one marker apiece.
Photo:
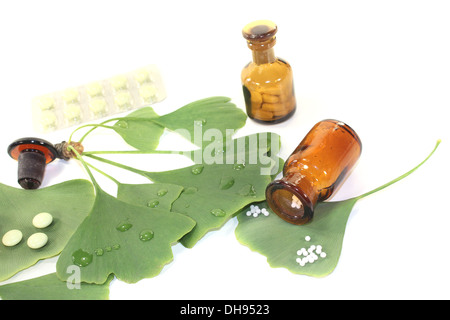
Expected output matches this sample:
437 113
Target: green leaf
216 114
143 128
215 192
132 242
49 287
160 195
139 130
69 203
279 241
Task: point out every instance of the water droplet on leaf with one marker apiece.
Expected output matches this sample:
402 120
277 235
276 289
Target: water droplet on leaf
226 182
239 166
190 190
200 122
81 258
99 252
162 192
123 226
218 212
146 235
122 123
153 203
197 169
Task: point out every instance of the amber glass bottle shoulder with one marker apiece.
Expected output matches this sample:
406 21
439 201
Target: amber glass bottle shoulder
266 73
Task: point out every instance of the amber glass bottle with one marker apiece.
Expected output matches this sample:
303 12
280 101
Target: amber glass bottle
267 81
314 170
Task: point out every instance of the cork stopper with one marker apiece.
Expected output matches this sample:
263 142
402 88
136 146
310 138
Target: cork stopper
260 34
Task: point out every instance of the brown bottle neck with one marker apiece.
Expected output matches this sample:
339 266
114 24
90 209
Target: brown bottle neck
304 186
263 56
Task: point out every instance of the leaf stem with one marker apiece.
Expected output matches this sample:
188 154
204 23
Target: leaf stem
85 165
102 125
119 165
89 125
400 177
103 173
88 153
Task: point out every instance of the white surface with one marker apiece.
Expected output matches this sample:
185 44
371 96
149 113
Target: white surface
383 67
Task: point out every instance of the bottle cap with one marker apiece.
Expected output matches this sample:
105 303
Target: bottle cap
32 155
260 34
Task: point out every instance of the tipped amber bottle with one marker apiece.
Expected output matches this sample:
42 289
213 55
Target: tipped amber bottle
267 81
314 170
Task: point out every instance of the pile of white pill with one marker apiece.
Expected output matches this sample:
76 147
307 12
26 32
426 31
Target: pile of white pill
255 211
36 240
311 254
296 202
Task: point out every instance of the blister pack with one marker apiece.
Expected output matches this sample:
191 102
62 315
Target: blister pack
97 99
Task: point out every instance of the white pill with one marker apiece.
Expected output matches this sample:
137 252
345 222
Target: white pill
323 255
12 237
37 240
308 238
42 220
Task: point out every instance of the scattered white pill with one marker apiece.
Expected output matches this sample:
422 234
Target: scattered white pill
37 240
310 255
12 237
255 211
296 203
42 220
308 238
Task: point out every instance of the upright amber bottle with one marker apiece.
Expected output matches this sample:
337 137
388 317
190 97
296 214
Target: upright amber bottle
267 81
314 170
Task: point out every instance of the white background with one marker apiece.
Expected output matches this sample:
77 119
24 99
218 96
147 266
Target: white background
383 67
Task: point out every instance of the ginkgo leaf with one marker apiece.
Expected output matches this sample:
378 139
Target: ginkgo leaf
68 203
154 195
215 192
143 128
138 129
49 287
132 242
281 242
196 118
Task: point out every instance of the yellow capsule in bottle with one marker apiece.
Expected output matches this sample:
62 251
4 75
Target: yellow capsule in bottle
267 81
